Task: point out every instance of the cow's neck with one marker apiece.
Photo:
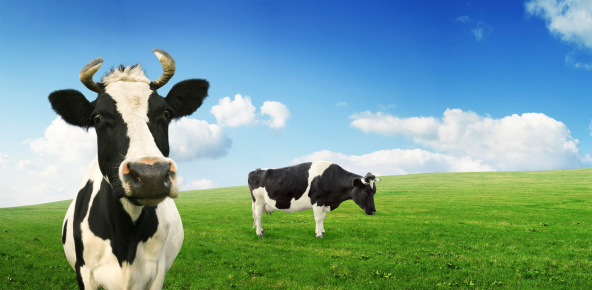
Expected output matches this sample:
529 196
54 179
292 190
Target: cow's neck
347 184
110 220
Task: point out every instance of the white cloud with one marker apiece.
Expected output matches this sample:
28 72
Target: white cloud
386 124
478 33
69 143
192 139
570 20
25 165
241 112
4 160
278 112
463 19
398 161
235 113
575 59
196 184
481 31
341 104
11 195
531 141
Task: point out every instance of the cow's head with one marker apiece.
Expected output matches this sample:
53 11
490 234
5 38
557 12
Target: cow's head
131 121
363 192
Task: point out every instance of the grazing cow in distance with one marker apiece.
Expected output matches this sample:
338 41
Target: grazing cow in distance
320 185
123 230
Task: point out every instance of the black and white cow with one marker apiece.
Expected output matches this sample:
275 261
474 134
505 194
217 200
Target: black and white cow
319 185
123 230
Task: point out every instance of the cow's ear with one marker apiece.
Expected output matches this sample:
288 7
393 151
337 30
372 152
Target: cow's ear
187 96
357 182
74 108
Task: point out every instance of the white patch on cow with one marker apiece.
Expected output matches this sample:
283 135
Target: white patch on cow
132 104
129 74
134 211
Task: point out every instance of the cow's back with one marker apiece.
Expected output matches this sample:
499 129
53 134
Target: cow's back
286 188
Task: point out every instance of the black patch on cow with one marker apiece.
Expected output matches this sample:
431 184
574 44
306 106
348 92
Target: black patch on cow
80 211
109 221
159 116
64 232
332 187
283 184
112 140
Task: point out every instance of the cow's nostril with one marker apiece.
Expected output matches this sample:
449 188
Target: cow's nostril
134 172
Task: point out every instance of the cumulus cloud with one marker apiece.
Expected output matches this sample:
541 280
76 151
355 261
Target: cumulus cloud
192 139
398 161
69 143
11 195
196 184
235 113
571 21
241 112
278 112
531 141
25 165
386 124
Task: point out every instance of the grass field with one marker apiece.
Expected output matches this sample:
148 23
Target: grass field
467 230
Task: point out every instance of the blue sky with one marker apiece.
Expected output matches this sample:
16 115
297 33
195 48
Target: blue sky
391 87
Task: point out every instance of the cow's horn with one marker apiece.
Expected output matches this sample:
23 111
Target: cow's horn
87 73
168 68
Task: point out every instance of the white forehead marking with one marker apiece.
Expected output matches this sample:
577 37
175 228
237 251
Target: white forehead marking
132 103
371 182
129 74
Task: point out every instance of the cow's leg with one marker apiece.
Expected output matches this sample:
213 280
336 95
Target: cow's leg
259 208
85 278
254 216
319 214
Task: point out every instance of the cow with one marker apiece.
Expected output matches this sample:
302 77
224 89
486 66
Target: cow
123 230
320 185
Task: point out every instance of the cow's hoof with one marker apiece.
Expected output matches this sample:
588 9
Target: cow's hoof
320 236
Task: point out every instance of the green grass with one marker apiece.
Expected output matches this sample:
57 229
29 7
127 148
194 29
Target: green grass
467 230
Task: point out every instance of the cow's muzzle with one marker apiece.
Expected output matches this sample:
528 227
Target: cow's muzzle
149 180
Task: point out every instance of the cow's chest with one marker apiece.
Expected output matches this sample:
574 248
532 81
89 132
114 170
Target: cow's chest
103 266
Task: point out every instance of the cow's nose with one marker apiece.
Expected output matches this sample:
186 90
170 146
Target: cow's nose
148 180
372 212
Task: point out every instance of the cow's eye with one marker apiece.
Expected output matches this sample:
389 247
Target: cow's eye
97 119
167 114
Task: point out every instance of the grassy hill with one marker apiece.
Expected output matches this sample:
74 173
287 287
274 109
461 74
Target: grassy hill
481 230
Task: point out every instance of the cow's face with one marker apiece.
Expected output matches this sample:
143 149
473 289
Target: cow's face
131 122
363 192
